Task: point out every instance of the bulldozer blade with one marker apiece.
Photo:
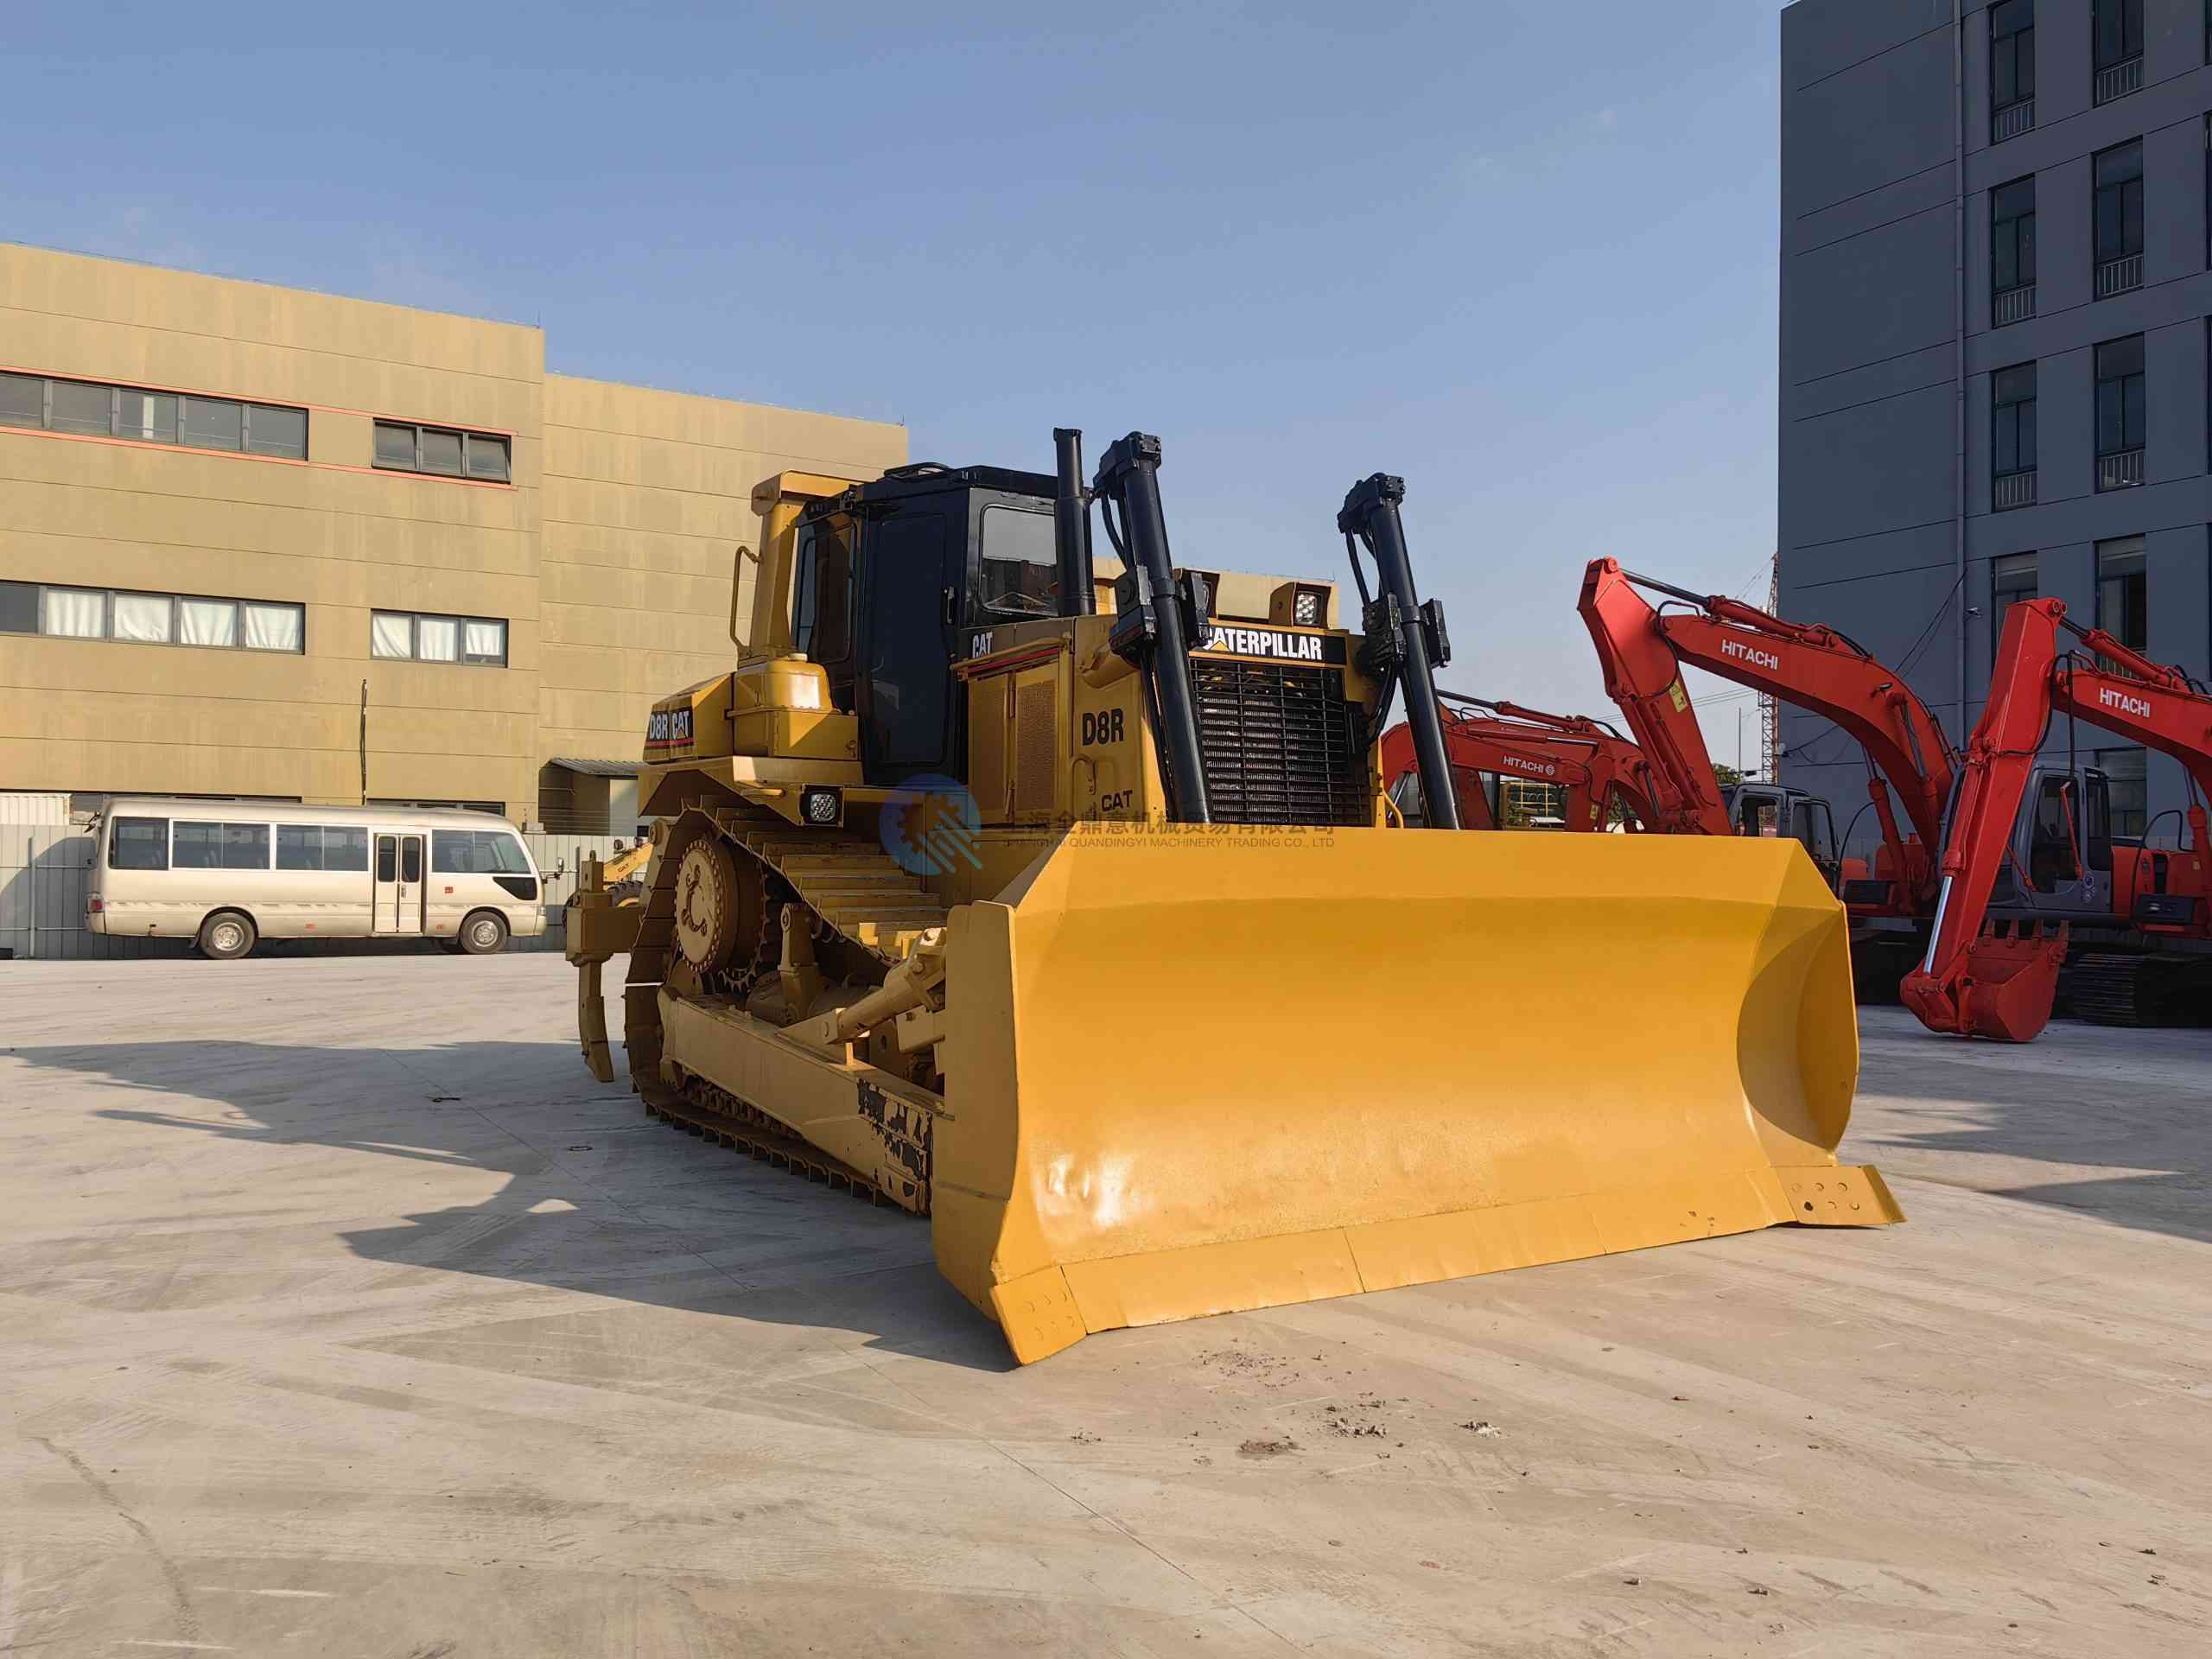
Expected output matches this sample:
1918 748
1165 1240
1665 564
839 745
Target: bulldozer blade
1191 1070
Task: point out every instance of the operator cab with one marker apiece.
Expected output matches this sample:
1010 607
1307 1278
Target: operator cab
2062 842
1776 811
897 579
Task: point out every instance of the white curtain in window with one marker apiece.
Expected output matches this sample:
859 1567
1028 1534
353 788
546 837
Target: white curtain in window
486 639
272 627
74 613
437 639
142 616
206 622
391 635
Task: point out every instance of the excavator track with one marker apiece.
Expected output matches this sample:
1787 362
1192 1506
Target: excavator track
855 894
2115 989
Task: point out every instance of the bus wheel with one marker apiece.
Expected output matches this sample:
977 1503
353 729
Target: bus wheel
484 934
226 935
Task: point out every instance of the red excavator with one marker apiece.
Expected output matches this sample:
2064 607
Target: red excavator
1602 773
2054 875
1810 667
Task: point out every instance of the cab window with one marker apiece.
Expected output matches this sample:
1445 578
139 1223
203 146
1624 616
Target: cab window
822 605
1020 575
2051 844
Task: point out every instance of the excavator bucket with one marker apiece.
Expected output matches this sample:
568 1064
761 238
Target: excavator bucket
2011 983
1194 1069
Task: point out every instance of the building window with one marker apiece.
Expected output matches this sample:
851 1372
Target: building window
2012 68
66 612
426 638
2116 26
2011 579
2123 592
2128 781
2120 413
2012 251
2012 437
2118 175
94 409
404 447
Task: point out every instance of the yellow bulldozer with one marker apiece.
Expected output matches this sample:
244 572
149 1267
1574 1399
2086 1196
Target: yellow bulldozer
1059 900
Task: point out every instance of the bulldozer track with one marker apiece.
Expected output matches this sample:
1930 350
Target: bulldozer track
853 892
713 1114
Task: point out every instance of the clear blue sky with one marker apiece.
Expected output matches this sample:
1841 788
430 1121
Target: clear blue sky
1522 253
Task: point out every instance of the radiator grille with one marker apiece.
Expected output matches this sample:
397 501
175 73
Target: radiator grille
1036 745
1281 745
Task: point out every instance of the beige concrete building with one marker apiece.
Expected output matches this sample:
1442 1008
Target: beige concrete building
256 541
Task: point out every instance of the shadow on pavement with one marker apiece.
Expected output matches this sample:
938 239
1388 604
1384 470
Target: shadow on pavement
595 1195
2123 1129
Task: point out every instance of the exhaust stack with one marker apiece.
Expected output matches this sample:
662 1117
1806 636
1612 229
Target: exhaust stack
1072 525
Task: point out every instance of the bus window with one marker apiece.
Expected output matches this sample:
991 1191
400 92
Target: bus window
410 858
322 847
222 846
477 852
387 859
138 845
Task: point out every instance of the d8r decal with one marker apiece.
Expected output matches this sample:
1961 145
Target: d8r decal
1104 727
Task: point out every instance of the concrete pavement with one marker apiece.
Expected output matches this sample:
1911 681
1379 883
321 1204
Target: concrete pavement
343 1313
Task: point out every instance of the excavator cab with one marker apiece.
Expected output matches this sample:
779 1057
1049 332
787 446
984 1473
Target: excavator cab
1779 811
2063 841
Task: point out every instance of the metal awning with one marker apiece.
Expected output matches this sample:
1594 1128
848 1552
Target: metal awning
597 768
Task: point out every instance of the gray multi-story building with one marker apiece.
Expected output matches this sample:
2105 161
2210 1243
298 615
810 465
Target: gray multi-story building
1995 342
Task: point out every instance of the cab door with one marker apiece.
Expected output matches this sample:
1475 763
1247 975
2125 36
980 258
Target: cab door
397 903
911 608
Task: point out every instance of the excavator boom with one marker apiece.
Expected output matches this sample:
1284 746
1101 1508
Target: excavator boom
1807 665
1644 678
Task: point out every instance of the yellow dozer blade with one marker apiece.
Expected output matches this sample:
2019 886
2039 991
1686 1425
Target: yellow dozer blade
1193 1070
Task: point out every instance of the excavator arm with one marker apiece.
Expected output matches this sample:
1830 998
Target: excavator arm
1806 666
1596 766
1643 678
1395 756
1995 985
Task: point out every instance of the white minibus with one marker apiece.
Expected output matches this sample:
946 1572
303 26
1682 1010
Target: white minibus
227 873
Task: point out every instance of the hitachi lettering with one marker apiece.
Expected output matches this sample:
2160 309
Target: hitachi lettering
1265 642
2139 707
1534 768
1750 654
